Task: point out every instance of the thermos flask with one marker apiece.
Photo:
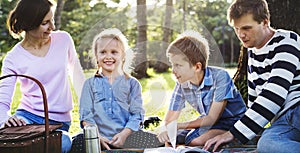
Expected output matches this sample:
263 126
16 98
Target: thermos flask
92 141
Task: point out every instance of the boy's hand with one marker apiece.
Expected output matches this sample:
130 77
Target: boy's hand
163 135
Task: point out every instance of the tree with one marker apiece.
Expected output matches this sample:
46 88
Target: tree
83 21
161 64
141 64
184 14
285 14
58 11
212 14
6 41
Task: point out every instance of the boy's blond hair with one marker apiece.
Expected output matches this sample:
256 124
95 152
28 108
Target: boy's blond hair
193 45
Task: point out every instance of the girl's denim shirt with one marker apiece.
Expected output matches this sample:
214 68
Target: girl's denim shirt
112 107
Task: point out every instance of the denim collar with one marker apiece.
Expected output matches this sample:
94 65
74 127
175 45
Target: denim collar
207 81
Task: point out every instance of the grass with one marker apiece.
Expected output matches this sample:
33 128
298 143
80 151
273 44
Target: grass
156 92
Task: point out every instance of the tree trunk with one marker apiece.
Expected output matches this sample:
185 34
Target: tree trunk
140 63
57 16
162 62
184 14
285 14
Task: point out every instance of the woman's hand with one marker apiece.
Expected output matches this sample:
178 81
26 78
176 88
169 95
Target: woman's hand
14 121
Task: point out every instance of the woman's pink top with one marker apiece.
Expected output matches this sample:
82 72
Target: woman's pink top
51 70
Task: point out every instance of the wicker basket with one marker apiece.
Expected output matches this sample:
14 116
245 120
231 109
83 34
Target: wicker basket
31 138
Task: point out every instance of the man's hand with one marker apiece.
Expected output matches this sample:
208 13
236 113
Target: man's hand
218 140
14 121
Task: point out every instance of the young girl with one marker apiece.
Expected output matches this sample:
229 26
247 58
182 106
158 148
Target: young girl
112 99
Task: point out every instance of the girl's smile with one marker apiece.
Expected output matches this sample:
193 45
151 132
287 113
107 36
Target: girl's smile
109 56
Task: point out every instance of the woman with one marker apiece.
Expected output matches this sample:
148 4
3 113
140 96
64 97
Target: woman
45 55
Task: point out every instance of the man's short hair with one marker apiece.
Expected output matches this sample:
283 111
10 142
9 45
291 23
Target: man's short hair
258 8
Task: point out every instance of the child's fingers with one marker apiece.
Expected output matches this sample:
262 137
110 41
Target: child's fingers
163 137
113 139
105 145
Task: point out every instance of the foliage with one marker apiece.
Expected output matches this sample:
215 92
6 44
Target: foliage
6 41
207 17
83 22
212 14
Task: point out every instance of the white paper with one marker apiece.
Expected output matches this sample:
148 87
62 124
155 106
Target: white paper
160 150
172 132
180 149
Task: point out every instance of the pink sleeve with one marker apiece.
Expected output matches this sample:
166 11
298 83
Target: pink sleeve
75 69
7 87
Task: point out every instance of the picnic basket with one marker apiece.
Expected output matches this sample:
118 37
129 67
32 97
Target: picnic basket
31 138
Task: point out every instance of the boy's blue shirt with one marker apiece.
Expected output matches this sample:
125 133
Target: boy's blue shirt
112 107
216 86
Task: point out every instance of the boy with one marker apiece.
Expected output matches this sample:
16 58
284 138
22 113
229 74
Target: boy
209 90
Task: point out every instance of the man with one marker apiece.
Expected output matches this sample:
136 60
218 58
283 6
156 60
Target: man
273 81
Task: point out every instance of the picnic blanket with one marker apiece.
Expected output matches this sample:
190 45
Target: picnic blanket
224 150
233 147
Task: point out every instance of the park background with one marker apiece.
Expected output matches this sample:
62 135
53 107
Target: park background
150 25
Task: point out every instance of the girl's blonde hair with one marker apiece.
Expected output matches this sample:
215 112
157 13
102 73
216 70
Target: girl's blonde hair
116 34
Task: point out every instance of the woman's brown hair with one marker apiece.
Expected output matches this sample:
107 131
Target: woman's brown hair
27 15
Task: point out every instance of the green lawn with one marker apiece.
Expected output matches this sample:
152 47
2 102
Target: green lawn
156 92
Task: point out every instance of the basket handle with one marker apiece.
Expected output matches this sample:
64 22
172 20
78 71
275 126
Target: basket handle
44 101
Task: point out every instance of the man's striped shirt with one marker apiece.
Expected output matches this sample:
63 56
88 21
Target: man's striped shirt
273 83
